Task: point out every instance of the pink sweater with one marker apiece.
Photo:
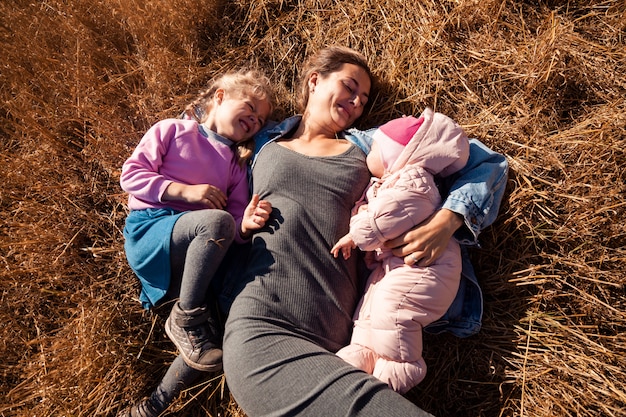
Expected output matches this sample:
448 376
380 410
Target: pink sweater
176 150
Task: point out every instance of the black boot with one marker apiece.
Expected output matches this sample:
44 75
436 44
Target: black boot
143 408
195 334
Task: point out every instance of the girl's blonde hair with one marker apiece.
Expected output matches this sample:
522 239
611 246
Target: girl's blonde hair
243 83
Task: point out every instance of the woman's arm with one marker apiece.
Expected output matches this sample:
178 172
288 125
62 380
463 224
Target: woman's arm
473 199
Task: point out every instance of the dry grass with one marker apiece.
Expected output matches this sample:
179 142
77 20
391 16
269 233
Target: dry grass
542 82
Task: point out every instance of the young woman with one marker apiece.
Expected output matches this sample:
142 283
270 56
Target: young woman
295 310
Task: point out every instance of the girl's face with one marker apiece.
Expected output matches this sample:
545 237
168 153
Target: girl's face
375 162
237 118
337 99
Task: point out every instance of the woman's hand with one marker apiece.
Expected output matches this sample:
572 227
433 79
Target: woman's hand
206 195
255 216
423 244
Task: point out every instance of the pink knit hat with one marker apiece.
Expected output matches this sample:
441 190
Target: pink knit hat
393 136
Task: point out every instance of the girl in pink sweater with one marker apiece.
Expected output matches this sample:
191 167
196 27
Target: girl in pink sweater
400 299
188 200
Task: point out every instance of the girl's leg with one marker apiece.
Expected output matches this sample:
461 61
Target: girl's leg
401 376
179 376
359 356
359 352
200 240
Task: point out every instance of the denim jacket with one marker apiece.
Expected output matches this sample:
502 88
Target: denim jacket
475 192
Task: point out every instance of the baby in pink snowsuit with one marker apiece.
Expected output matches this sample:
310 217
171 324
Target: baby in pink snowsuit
400 300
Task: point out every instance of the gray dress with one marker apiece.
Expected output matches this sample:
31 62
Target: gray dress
297 307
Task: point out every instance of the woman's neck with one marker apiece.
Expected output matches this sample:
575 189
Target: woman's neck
310 130
312 140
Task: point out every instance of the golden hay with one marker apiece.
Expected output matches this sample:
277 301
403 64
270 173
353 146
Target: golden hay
542 82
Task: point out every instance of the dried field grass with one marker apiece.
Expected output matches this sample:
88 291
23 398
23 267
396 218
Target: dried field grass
542 82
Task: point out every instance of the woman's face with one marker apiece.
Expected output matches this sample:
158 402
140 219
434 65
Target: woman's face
337 99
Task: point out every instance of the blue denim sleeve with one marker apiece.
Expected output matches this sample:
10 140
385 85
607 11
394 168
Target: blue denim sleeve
263 135
476 191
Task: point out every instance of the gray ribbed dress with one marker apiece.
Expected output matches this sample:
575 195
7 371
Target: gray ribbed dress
298 306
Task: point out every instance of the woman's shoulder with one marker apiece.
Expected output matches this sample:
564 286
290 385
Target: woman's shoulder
282 127
274 130
361 138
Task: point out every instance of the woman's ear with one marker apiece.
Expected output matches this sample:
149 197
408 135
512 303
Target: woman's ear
219 95
313 81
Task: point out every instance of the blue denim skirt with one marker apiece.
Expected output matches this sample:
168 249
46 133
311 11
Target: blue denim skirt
147 235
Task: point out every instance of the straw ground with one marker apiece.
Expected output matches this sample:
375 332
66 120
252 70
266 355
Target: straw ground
541 82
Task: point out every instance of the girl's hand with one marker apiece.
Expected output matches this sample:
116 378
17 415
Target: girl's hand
423 244
205 195
255 216
345 245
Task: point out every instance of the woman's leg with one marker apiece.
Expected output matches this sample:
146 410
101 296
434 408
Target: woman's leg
271 371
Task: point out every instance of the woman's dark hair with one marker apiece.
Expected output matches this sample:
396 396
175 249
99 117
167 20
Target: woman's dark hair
327 61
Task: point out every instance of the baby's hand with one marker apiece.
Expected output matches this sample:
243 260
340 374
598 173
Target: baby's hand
345 245
255 216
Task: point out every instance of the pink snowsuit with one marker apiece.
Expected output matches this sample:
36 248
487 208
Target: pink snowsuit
400 299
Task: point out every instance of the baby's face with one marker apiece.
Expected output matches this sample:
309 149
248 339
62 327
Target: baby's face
375 162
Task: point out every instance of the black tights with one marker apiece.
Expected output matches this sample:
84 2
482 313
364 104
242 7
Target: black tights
199 242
